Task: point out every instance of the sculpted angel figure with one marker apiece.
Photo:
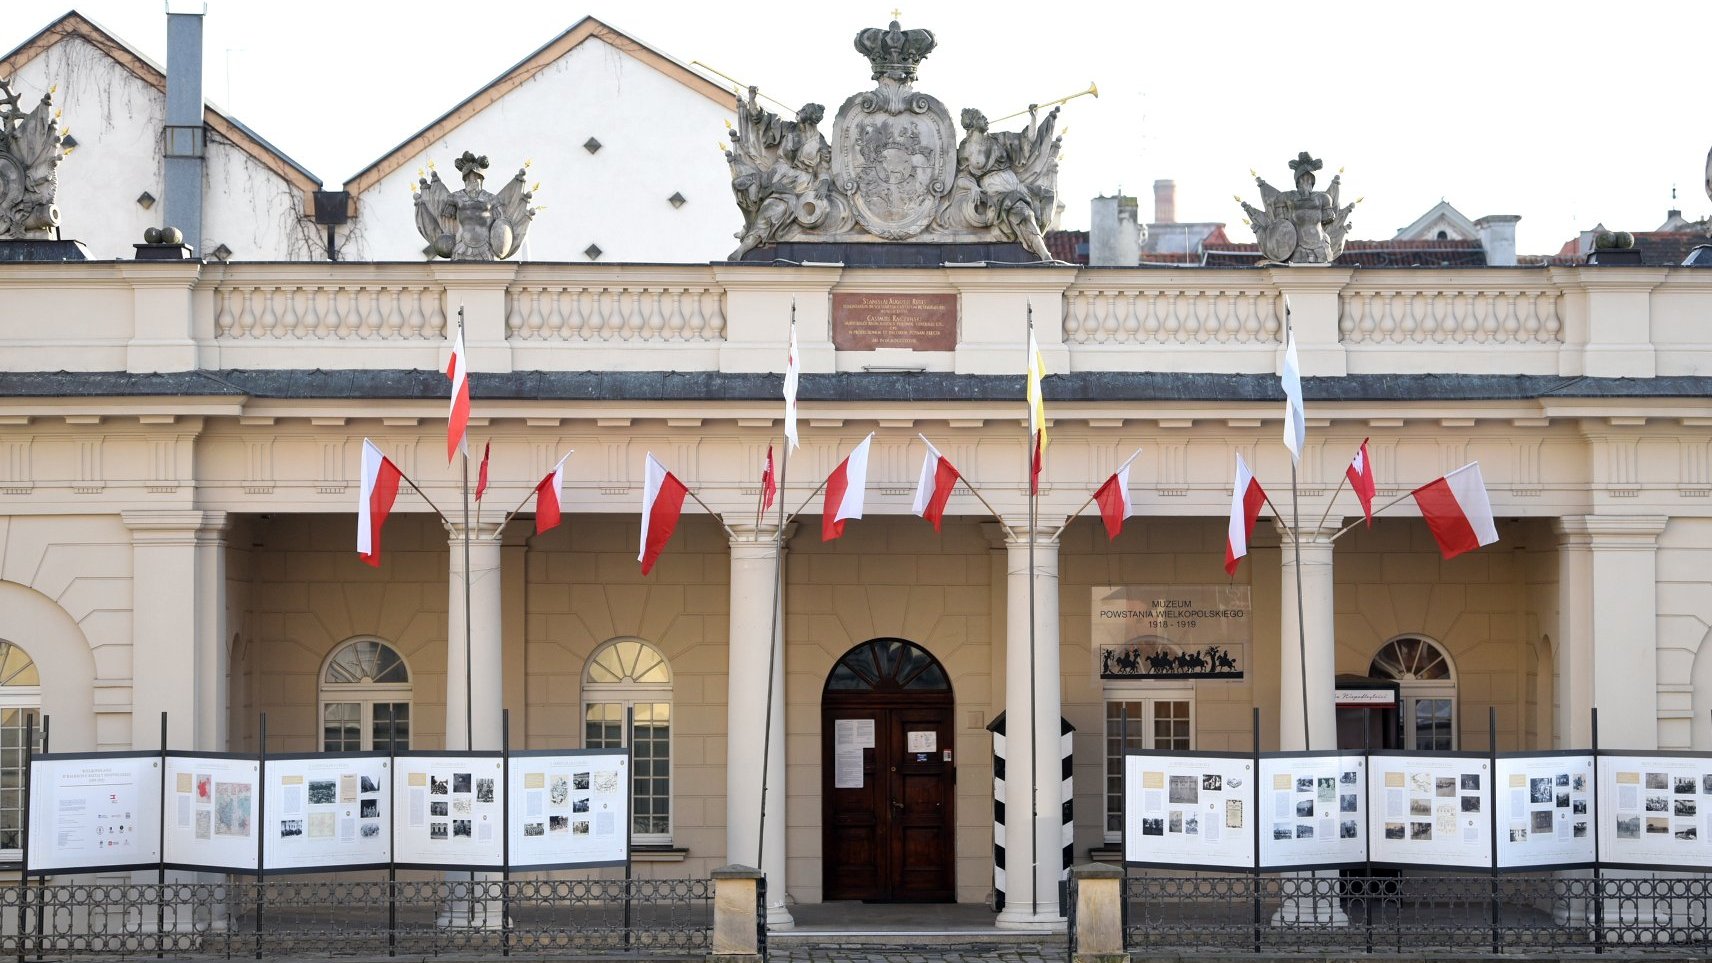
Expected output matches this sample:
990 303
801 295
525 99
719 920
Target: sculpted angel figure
779 172
29 156
473 224
1302 226
1008 180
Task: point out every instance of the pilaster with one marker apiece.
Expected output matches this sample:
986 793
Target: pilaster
179 639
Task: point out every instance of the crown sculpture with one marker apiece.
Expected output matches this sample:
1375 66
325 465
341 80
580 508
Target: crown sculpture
30 152
892 168
472 224
1303 226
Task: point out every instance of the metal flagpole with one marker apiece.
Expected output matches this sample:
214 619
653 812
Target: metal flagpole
1296 548
469 641
773 637
1033 723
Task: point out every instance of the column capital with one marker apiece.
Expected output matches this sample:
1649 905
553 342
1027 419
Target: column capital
747 533
1043 536
480 533
176 526
1311 534
1634 532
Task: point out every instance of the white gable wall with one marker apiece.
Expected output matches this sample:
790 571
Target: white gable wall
116 119
657 135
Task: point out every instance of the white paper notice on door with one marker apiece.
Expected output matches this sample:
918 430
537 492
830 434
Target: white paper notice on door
924 741
853 734
847 768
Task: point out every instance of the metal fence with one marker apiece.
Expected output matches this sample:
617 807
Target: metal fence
1468 914
662 919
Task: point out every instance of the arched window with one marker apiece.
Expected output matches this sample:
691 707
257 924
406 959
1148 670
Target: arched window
1426 688
365 698
20 712
627 701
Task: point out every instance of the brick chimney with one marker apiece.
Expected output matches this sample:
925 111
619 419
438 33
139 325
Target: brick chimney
1164 202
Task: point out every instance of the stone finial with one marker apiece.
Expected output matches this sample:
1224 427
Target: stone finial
473 224
895 53
30 151
1300 226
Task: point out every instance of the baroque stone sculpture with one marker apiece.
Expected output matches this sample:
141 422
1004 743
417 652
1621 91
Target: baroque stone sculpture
1301 226
892 168
472 224
30 152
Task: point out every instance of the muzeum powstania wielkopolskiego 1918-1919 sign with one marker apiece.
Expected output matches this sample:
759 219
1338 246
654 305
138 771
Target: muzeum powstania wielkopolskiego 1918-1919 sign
1171 632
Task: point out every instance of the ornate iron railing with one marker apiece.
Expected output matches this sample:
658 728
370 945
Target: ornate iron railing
1461 914
297 917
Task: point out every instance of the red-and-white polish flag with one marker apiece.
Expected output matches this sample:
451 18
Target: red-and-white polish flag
1360 475
1246 499
458 416
1457 511
769 483
662 503
379 491
549 496
1036 413
938 478
1113 498
793 371
846 488
481 475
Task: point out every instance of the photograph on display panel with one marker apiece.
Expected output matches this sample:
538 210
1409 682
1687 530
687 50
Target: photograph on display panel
1545 810
1312 810
327 811
1429 810
449 810
1653 809
93 811
210 817
1189 810
552 825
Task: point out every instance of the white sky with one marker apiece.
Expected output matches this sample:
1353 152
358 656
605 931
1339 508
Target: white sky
1566 113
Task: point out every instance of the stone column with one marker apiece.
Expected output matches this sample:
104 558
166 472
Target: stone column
1319 660
1311 654
179 654
479 686
1033 775
178 637
754 560
1607 658
1607 652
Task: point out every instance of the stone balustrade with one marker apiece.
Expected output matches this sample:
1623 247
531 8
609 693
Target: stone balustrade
176 316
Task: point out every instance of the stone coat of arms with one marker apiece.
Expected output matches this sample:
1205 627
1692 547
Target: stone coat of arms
891 168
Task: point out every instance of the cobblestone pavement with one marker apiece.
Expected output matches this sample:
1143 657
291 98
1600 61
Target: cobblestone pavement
793 951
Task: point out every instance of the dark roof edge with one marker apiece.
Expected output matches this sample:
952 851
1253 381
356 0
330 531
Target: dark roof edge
669 386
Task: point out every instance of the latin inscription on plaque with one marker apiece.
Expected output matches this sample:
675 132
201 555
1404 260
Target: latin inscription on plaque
918 322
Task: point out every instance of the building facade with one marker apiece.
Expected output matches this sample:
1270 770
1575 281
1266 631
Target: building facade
180 471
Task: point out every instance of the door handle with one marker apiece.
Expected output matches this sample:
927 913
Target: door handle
897 805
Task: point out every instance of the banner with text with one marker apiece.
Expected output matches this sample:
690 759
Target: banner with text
1171 632
92 811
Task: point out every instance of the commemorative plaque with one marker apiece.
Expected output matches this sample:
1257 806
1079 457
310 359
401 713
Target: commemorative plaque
918 322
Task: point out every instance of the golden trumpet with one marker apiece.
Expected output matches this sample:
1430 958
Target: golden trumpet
1093 89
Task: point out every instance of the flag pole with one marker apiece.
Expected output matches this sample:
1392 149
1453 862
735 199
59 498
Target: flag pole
1084 506
1394 501
716 516
469 639
1296 551
1033 723
424 495
774 634
1328 513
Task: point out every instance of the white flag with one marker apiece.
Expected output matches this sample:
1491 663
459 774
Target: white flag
793 369
1295 419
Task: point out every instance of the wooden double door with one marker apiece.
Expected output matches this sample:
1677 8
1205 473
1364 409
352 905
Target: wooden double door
889 786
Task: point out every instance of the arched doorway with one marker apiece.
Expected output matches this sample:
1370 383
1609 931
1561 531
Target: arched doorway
888 776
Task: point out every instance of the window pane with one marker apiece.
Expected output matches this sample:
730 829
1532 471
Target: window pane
650 742
601 729
391 726
1433 724
13 726
341 727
